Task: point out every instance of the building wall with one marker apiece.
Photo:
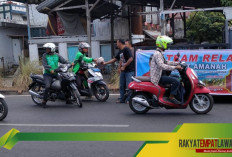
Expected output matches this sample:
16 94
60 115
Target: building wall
102 29
6 44
37 19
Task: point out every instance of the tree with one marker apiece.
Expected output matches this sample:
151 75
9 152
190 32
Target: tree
226 3
205 26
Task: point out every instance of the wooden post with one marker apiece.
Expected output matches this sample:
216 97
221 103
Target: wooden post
173 26
162 18
88 26
28 22
112 30
185 25
129 22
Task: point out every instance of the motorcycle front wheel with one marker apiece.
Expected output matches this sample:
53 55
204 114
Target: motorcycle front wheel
204 106
3 109
77 97
101 92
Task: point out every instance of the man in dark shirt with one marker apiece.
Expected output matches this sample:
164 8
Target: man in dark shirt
126 66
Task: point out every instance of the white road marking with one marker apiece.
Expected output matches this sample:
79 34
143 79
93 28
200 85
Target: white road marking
68 125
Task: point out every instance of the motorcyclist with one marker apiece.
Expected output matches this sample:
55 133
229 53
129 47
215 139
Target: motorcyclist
159 66
50 62
80 59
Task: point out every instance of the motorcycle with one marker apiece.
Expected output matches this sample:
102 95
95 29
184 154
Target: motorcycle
96 85
62 87
3 108
147 96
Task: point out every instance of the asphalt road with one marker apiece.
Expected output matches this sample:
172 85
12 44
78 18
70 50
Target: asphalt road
25 116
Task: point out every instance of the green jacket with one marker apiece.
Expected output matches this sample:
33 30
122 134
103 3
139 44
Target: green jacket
78 59
50 62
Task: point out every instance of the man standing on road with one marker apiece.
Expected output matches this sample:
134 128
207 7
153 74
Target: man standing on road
127 68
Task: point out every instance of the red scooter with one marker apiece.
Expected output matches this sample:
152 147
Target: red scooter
147 96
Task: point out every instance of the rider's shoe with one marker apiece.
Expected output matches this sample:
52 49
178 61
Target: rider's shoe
43 104
174 101
69 102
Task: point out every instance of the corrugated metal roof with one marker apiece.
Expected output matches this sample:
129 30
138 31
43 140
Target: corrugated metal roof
167 3
101 9
178 3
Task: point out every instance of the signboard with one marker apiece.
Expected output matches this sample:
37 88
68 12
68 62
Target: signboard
214 67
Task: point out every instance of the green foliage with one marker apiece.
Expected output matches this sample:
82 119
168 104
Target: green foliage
226 3
205 26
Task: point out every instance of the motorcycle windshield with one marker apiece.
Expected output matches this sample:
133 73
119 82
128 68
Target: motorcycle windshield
96 70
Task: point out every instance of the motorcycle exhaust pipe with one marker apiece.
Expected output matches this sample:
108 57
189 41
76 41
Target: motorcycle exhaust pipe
141 101
35 94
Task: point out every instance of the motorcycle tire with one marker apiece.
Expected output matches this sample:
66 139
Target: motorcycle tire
98 91
3 109
202 109
77 98
36 100
137 108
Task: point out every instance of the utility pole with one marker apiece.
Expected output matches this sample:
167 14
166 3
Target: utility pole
112 30
88 26
162 18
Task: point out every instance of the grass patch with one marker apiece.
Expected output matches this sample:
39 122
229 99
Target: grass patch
26 69
114 79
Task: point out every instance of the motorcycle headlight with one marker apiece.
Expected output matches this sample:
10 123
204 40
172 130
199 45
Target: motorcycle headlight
99 75
64 69
202 84
71 74
194 73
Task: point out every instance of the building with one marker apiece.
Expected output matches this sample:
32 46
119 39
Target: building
13 33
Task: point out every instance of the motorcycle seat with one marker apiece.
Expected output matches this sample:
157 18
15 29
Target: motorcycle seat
40 77
148 79
143 78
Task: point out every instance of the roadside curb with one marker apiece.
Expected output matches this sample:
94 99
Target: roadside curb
16 92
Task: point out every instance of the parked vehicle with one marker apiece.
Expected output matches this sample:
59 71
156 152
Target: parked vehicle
3 108
66 84
96 85
147 96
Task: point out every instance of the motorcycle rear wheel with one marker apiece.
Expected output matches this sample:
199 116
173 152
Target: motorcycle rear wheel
38 89
3 109
101 92
136 107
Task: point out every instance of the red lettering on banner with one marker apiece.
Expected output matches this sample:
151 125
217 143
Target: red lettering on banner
169 57
202 143
206 58
220 59
193 58
214 58
184 58
229 58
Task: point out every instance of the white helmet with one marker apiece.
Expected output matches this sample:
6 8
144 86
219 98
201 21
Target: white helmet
51 46
83 45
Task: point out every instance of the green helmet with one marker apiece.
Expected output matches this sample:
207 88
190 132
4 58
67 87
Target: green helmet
163 41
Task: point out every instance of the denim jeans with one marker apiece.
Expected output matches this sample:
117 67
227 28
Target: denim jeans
171 80
125 80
